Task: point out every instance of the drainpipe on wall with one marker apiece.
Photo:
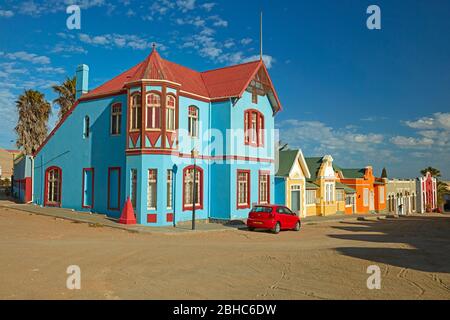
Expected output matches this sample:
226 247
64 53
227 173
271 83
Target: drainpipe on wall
32 178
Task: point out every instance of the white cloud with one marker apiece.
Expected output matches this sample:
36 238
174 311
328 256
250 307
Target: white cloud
208 6
436 121
6 13
186 5
246 41
67 48
119 40
268 60
52 70
322 138
25 56
402 141
36 9
218 21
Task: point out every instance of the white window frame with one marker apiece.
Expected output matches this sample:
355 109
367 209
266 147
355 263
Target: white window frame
136 108
381 192
152 189
170 113
366 197
116 118
263 188
154 109
311 197
193 122
243 188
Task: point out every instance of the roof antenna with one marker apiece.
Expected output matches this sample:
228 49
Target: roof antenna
261 38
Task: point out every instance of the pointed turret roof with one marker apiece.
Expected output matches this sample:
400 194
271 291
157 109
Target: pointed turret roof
153 67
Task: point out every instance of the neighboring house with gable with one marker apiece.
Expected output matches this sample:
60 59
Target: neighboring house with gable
290 181
321 187
370 190
426 188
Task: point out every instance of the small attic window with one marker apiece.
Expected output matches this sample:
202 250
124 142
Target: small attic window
86 127
254 96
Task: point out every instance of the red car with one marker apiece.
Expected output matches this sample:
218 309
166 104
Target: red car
274 218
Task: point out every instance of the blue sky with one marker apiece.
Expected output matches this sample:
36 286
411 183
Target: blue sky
379 97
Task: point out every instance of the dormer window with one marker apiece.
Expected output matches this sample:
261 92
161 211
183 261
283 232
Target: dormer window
254 128
135 116
153 110
170 113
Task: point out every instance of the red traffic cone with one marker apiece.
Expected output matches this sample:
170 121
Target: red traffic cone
128 216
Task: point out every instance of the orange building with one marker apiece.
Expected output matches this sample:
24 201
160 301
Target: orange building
370 190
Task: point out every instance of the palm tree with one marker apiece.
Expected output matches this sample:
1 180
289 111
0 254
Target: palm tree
434 172
441 191
66 96
33 113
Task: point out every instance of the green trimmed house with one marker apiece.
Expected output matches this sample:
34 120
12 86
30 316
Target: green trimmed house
290 181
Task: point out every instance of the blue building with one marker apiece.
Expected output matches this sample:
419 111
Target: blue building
142 134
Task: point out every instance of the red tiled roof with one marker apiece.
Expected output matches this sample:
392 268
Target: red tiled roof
219 83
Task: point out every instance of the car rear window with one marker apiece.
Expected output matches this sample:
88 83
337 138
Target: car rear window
262 209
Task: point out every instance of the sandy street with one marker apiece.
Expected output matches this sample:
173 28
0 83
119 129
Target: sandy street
323 261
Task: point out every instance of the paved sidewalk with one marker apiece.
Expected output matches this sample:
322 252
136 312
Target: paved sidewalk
100 220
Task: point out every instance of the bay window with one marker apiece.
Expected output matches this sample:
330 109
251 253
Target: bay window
170 113
153 111
135 116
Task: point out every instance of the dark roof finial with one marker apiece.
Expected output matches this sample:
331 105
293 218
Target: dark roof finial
154 46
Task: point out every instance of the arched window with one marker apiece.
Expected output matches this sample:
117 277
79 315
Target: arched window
193 117
254 128
116 118
86 127
53 179
170 113
188 188
136 115
153 111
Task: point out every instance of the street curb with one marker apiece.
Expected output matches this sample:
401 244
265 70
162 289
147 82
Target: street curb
153 231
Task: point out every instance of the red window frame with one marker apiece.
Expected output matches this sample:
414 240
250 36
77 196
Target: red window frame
118 169
264 173
249 200
82 188
197 206
259 131
52 204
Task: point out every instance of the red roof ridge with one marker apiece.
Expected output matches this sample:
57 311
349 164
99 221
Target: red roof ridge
232 66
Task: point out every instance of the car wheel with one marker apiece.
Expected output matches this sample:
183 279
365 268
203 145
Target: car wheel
277 228
297 226
251 229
